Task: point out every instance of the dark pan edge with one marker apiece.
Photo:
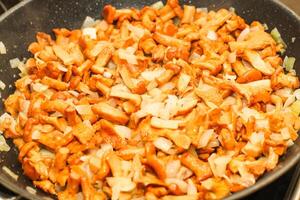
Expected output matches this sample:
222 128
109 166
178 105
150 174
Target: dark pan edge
4 181
288 9
13 9
18 190
264 181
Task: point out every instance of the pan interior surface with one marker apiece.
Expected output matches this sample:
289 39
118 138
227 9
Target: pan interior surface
19 26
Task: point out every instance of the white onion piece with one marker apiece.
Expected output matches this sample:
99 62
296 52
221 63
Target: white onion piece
91 32
163 144
212 35
123 131
2 85
172 168
243 34
2 48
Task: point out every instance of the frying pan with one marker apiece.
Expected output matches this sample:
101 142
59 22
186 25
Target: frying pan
19 25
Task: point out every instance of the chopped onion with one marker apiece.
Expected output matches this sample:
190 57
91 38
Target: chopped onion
115 193
248 112
170 108
284 92
295 107
291 99
183 82
184 173
230 77
74 93
98 47
62 68
247 179
214 142
87 123
243 34
3 145
79 196
270 108
84 109
204 9
297 94
205 137
68 129
125 55
105 148
46 153
152 75
152 108
191 188
163 144
167 87
219 163
107 74
36 135
257 138
172 168
2 48
232 57
123 183
56 114
111 65
276 137
137 31
162 123
91 32
158 5
2 85
123 131
212 35
288 63
14 63
266 27
194 56
277 37
262 123
208 183
232 9
272 159
39 87
85 88
180 183
88 22
120 87
289 142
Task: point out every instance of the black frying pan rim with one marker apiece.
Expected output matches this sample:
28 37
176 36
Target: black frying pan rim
262 182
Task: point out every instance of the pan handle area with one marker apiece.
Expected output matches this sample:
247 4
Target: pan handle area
293 192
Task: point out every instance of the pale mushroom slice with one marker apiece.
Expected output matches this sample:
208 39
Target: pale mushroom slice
183 82
255 91
254 40
258 63
163 123
134 98
170 41
110 113
209 93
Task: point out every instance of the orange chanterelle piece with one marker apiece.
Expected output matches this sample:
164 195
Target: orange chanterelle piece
166 102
